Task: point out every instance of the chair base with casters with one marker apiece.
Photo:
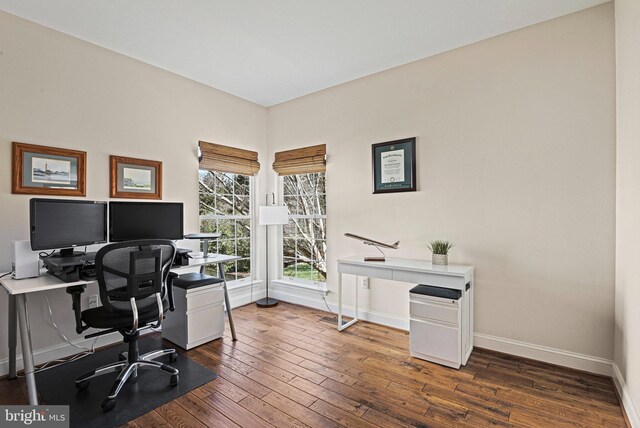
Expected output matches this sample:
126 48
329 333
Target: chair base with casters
128 365
133 282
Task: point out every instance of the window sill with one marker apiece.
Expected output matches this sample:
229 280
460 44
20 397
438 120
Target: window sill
318 287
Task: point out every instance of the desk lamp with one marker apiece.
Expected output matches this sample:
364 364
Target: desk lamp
270 215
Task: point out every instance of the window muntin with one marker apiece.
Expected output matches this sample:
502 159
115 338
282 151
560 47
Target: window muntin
304 245
225 207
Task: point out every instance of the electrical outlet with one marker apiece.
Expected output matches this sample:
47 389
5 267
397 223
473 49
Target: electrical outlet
93 301
364 282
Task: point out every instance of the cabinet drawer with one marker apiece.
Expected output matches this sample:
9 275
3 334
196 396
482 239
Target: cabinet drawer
442 310
202 298
447 281
205 323
435 340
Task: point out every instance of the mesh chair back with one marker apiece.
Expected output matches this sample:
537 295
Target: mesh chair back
133 269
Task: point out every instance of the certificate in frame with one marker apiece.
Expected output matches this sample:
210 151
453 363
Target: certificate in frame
394 166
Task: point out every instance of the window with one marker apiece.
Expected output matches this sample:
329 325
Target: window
225 207
304 238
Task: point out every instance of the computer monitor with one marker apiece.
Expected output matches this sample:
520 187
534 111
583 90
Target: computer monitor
145 220
61 224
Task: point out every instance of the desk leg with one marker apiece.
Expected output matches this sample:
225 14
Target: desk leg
13 336
355 318
227 303
27 350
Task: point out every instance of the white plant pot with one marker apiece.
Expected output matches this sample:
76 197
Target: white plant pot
440 259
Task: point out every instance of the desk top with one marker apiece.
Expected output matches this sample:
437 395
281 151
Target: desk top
49 282
422 266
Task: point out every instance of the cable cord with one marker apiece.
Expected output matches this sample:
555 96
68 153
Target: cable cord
48 365
6 274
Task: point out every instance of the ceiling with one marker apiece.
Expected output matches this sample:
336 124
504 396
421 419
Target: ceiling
271 51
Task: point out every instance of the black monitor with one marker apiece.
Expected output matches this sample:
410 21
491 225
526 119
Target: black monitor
61 224
145 220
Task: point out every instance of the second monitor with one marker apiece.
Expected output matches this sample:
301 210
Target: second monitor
129 221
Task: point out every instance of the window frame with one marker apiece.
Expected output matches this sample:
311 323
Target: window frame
287 279
252 234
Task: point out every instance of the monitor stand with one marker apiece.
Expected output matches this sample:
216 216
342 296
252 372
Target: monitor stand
67 252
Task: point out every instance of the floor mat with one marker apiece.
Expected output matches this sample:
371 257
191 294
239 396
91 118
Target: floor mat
150 390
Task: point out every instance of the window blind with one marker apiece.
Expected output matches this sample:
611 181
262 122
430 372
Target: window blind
216 157
305 160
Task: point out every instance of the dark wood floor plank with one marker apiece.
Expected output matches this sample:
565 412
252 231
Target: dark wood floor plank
152 420
204 412
330 397
240 415
269 413
345 419
299 412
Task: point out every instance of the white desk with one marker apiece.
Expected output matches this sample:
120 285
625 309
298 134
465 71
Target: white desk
413 271
18 290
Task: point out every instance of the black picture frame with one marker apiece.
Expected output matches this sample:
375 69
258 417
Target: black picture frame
394 172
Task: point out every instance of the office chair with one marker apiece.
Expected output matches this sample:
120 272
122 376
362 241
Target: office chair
131 277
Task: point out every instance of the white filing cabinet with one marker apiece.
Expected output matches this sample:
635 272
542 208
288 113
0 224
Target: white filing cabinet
441 325
198 317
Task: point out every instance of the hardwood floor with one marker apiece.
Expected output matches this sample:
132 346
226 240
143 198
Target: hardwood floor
291 368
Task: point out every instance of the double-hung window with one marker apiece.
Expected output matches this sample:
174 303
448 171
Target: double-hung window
225 196
225 207
304 238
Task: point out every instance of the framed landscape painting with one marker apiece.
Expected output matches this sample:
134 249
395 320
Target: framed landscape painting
42 170
135 178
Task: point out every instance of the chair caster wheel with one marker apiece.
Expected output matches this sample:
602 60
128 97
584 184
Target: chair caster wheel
108 404
122 357
174 380
173 357
82 385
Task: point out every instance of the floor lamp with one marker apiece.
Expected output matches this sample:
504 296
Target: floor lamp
270 215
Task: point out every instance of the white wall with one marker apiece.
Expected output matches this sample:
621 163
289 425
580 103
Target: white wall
59 91
627 291
516 166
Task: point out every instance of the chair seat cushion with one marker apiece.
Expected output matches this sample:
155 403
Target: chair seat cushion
188 281
100 317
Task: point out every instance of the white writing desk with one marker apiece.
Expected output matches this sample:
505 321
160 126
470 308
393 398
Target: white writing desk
414 271
18 290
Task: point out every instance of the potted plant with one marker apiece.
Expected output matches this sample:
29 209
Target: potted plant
440 250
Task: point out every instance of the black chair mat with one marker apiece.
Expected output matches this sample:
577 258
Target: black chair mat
149 391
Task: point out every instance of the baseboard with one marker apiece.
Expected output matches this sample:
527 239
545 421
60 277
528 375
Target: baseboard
545 354
625 396
313 299
62 350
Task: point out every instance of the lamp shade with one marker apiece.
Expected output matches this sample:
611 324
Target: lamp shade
273 214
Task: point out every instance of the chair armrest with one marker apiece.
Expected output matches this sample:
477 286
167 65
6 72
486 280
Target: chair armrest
75 292
172 276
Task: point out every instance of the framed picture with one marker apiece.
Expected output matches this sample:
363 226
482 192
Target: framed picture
42 170
135 178
394 166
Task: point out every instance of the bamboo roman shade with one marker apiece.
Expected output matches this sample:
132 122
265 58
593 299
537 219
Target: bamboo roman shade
301 161
216 157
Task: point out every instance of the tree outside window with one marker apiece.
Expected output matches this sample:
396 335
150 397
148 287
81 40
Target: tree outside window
304 237
225 207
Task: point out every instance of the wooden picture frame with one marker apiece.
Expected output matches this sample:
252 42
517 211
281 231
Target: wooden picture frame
43 170
394 166
135 178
